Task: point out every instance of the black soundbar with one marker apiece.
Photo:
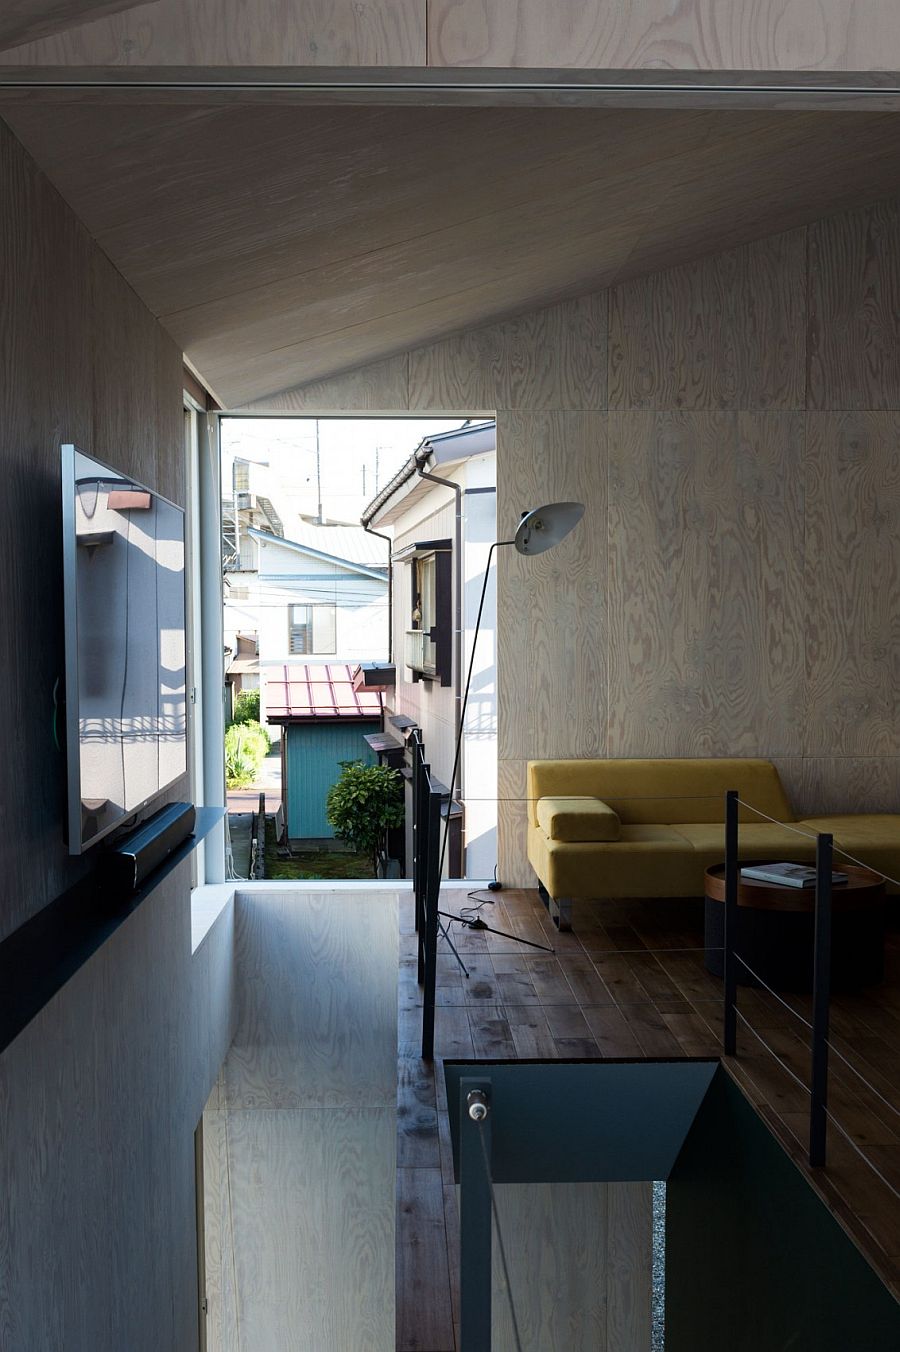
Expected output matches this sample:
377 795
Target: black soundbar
130 861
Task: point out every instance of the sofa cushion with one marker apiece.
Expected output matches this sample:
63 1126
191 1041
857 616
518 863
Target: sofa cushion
646 861
871 837
643 792
756 840
577 819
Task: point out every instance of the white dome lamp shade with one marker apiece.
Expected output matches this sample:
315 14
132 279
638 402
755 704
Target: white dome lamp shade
543 527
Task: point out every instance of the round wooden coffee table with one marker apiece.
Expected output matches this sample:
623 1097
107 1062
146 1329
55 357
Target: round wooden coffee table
775 929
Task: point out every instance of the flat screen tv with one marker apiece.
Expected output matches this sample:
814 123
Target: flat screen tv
124 573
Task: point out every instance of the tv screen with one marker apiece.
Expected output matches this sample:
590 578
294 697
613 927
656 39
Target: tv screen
123 550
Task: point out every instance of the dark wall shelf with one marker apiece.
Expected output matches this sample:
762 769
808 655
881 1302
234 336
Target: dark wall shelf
38 959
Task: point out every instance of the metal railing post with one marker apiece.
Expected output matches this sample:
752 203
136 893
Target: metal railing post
818 1109
431 903
729 1024
475 1222
419 787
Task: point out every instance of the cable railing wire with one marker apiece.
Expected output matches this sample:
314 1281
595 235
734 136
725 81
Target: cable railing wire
830 1115
500 1245
772 1052
850 1066
757 977
845 854
862 1154
611 952
672 951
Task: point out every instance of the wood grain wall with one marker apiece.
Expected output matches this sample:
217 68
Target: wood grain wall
734 588
692 35
579 1257
301 1138
81 359
818 35
99 1098
100 1094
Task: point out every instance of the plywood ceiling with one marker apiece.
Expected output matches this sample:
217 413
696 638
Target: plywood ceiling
281 244
24 20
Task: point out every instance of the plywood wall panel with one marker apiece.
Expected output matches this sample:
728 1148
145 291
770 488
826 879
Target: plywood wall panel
46 383
326 1039
629 1259
171 462
579 1267
558 1267
222 1333
744 596
512 825
309 1102
98 1230
724 332
223 33
359 233
553 358
551 619
314 1266
705 584
24 20
125 373
818 785
852 630
692 35
99 1095
381 387
854 330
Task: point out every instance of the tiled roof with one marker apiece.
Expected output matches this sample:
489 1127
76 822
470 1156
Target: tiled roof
320 691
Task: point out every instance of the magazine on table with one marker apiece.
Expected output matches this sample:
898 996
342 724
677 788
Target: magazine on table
788 875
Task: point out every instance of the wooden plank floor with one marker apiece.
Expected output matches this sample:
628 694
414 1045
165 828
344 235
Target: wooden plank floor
628 981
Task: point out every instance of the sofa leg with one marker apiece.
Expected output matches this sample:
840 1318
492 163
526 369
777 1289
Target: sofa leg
543 894
561 912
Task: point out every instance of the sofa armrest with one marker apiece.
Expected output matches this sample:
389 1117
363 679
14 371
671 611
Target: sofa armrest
577 819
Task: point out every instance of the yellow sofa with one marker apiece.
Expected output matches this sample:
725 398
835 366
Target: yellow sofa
650 828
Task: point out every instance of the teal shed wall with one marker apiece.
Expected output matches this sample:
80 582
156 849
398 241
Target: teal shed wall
313 753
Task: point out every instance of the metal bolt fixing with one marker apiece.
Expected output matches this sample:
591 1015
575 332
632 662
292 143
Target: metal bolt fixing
478 1104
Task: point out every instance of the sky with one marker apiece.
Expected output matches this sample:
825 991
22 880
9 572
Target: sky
357 457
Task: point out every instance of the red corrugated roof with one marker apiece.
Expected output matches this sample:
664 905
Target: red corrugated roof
317 692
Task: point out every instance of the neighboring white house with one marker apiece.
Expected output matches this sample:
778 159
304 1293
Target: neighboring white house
322 596
249 505
441 534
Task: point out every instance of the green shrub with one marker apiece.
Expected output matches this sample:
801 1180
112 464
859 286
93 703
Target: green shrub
246 747
363 805
246 707
260 731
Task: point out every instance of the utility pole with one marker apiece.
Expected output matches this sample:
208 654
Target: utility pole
319 518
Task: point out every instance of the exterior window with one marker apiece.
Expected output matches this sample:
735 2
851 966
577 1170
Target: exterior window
312 629
429 635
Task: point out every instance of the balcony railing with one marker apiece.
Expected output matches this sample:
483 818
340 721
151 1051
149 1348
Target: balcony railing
421 652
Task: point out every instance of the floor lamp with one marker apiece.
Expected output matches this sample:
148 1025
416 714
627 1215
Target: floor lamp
539 530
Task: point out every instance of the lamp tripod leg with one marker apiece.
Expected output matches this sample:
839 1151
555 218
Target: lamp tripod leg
445 930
